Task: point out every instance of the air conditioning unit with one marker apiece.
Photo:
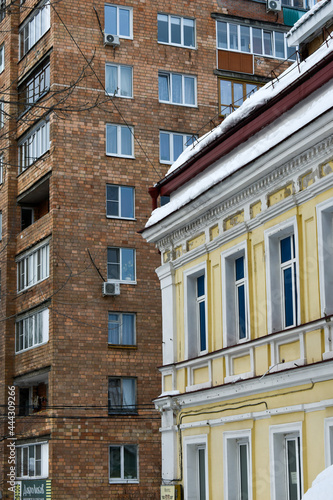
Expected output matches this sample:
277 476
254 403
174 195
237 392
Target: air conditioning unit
111 288
112 40
274 5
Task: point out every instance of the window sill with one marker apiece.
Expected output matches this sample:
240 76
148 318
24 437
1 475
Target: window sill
123 346
179 104
124 412
179 46
130 157
121 282
120 218
118 96
123 481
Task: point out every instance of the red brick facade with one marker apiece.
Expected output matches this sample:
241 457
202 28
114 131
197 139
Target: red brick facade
66 186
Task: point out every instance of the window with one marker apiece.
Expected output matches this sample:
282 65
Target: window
196 467
119 80
253 40
298 3
121 329
34 145
237 465
119 201
121 264
122 395
176 30
328 426
27 217
32 398
281 245
325 251
32 330
123 463
174 88
119 140
33 267
118 20
34 28
235 295
34 87
1 169
173 144
233 93
2 10
196 311
2 58
286 461
0 225
2 114
32 461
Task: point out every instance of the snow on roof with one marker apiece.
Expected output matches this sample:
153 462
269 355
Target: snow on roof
322 486
241 157
310 13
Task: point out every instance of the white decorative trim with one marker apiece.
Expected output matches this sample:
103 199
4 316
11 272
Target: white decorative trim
191 386
328 440
229 461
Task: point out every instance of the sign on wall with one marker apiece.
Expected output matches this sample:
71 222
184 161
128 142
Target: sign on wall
33 489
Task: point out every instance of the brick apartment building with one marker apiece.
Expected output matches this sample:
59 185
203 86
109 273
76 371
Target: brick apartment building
88 123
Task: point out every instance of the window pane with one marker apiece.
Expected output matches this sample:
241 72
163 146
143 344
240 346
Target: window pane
128 329
111 79
113 264
111 139
189 97
241 311
268 50
113 329
110 14
292 469
175 30
162 28
243 472
201 286
176 88
222 42
130 462
112 201
250 89
285 245
238 94
163 87
115 401
126 81
177 146
115 462
202 326
279 44
188 32
288 297
225 96
239 265
129 393
245 38
233 36
164 146
127 269
127 202
124 22
202 474
126 141
257 41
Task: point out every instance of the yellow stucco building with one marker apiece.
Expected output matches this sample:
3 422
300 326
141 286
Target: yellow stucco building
247 291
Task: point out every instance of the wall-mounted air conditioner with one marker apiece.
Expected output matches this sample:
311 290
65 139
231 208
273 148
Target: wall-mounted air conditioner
111 288
112 40
274 5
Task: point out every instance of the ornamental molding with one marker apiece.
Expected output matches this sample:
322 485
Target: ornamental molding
308 160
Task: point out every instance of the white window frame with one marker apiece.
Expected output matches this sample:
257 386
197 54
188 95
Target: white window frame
328 440
278 434
275 313
121 280
119 128
325 254
2 57
229 298
27 323
130 10
120 216
182 103
119 326
191 447
28 263
33 145
231 465
186 138
122 465
44 459
181 44
118 91
251 51
308 4
34 27
192 334
2 114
